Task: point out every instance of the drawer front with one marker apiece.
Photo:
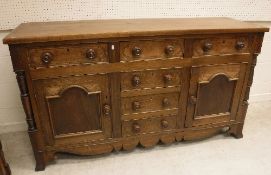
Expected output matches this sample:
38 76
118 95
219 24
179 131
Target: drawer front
154 49
149 125
220 46
150 79
149 103
64 55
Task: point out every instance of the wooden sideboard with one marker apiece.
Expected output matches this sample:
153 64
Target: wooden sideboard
4 167
92 87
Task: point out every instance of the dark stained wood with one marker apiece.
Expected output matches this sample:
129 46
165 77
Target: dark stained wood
77 108
4 167
74 106
77 30
218 92
34 135
20 75
93 87
114 57
220 86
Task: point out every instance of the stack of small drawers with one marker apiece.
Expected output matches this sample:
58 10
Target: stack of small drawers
150 98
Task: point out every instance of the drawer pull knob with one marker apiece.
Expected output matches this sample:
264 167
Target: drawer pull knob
165 102
136 80
168 78
240 45
107 110
164 123
136 128
136 105
207 46
169 50
136 51
46 57
193 100
90 54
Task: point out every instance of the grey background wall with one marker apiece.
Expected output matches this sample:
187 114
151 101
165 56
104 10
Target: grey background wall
14 12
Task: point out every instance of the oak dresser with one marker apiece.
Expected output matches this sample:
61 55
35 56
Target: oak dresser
93 87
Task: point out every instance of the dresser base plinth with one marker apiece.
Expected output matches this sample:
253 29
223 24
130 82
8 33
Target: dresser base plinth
130 143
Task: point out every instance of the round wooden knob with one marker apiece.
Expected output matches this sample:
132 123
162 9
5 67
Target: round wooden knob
46 57
167 78
169 50
136 80
90 54
107 110
207 46
136 128
164 123
136 51
165 102
136 105
239 45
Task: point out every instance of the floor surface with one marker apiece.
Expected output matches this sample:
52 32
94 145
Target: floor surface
217 155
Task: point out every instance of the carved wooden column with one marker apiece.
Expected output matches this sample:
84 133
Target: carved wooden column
32 129
20 75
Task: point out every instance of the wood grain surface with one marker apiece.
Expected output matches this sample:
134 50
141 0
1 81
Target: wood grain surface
77 30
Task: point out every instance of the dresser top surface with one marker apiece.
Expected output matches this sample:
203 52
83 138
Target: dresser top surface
80 30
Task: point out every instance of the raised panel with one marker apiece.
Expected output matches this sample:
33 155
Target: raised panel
75 110
214 93
215 96
74 106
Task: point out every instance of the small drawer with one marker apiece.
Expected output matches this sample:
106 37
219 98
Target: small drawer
149 103
150 79
151 49
65 55
148 125
220 46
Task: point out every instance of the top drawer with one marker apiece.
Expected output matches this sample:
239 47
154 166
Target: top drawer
64 55
220 46
151 49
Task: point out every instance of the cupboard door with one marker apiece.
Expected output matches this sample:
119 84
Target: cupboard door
214 93
74 106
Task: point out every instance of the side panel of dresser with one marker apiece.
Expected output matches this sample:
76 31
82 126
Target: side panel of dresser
256 46
19 60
